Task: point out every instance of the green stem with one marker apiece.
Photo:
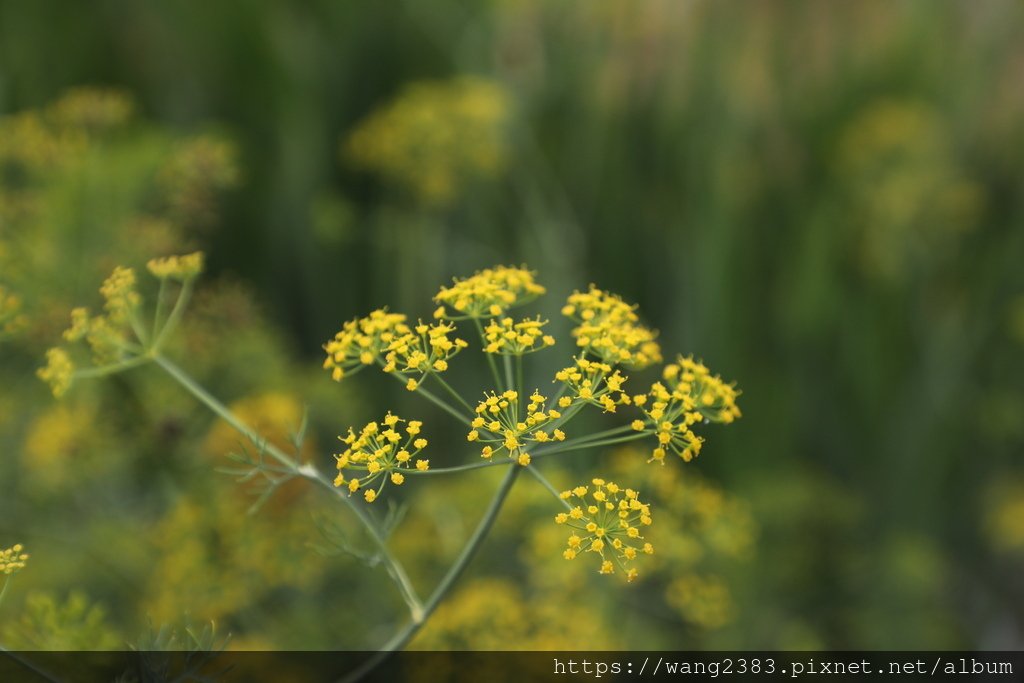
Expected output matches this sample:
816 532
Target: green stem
137 327
497 462
159 312
575 446
307 471
105 370
519 378
507 362
403 636
547 484
174 318
600 435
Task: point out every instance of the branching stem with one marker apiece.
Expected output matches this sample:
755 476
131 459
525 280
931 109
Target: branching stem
307 471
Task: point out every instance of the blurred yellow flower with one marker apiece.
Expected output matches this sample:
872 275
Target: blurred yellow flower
58 371
498 614
1005 519
177 267
13 559
434 136
909 199
704 601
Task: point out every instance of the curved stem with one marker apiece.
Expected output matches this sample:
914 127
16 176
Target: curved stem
547 484
104 370
137 328
307 471
403 636
174 318
159 311
394 567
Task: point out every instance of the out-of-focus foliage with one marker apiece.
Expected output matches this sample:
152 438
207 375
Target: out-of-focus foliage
48 623
821 199
118 479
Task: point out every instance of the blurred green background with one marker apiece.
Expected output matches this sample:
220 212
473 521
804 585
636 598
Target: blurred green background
821 200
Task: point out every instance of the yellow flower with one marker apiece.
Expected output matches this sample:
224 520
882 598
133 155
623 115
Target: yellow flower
503 423
58 372
610 329
119 292
595 383
12 560
606 520
435 137
689 395
177 267
488 293
381 452
112 337
425 349
363 342
509 338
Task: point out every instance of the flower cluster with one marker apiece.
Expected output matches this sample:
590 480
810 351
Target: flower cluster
610 329
487 294
714 399
117 335
692 395
35 141
12 560
509 338
502 426
58 372
424 349
106 334
593 382
386 338
363 342
119 292
382 452
179 268
435 136
606 519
